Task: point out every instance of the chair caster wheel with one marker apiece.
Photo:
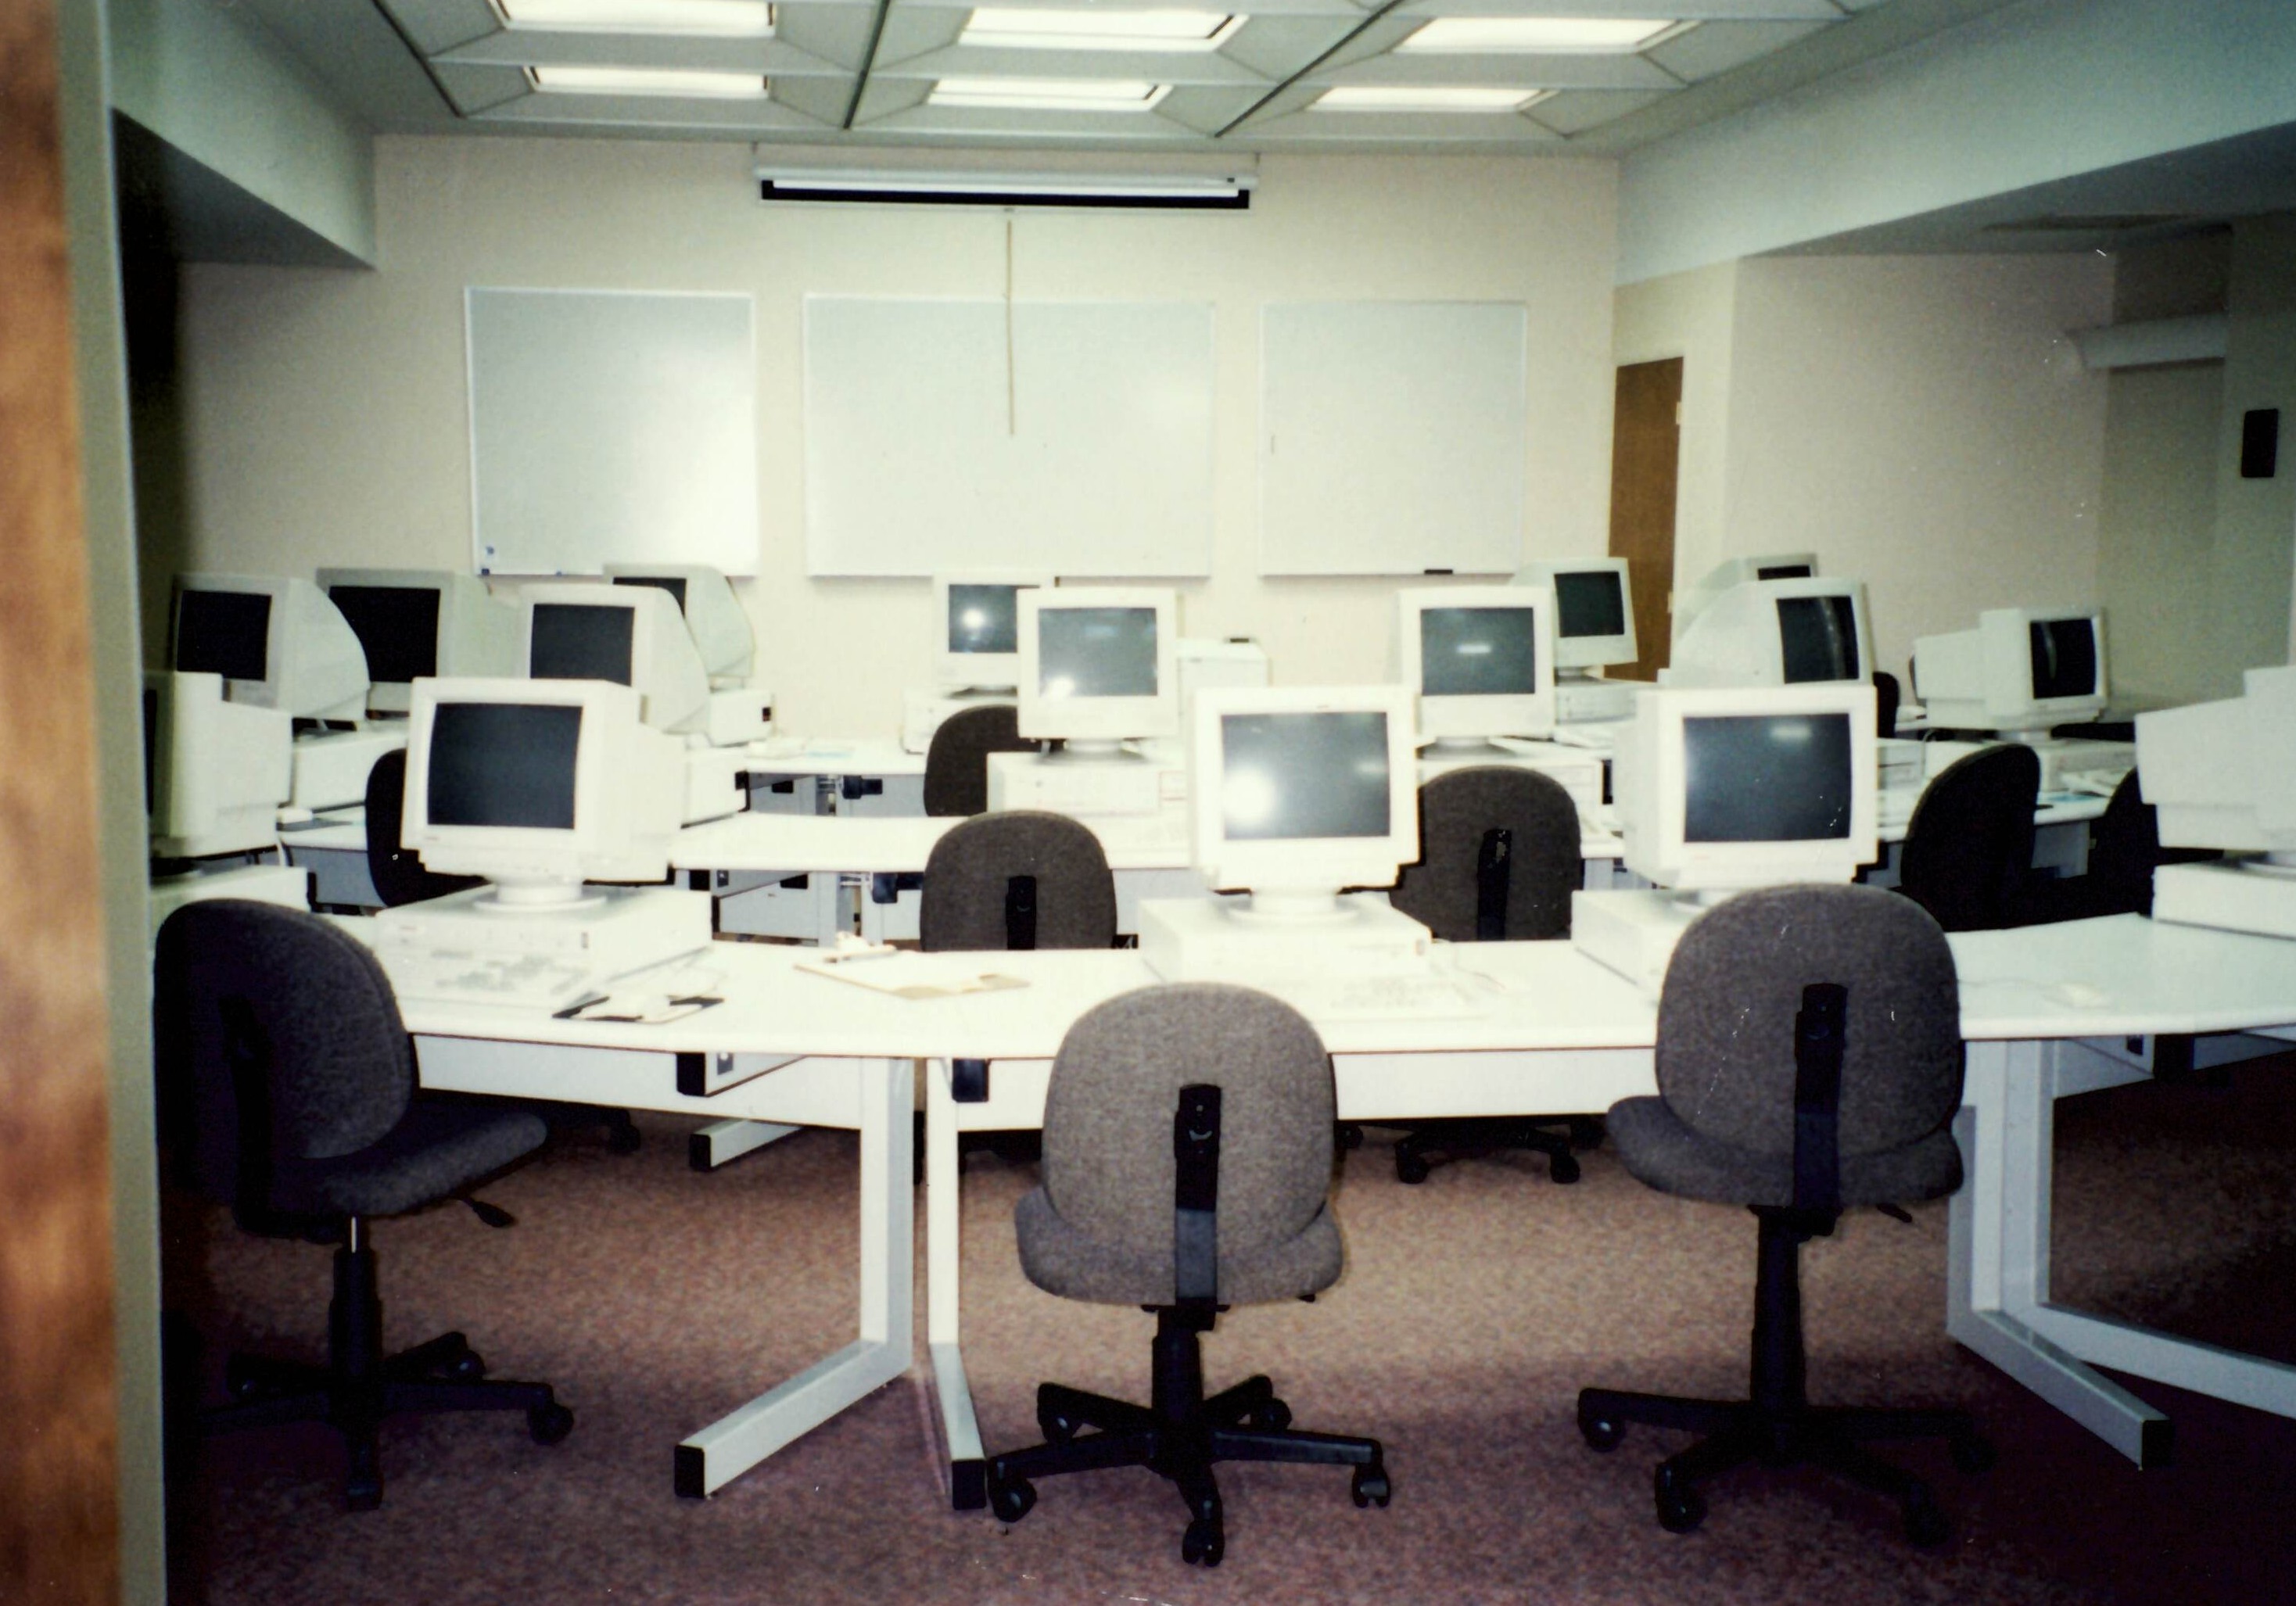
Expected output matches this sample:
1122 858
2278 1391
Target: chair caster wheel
1371 1488
1680 1509
1203 1543
239 1381
1925 1525
1011 1498
1410 1169
467 1367
1349 1135
624 1140
363 1484
1563 1169
1057 1427
1974 1455
549 1424
1600 1433
1273 1417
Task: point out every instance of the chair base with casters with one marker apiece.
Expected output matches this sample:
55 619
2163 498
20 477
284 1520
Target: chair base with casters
1179 1436
1431 1144
359 1384
1777 1425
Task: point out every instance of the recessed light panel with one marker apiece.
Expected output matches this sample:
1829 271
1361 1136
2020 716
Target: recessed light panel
647 80
1049 95
1384 97
1595 35
750 17
1050 29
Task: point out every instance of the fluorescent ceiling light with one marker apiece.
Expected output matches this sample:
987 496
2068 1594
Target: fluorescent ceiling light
647 80
1050 95
1558 34
1432 98
753 17
1051 29
1202 188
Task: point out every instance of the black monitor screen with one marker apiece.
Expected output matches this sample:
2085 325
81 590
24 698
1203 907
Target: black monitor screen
504 764
1592 602
1818 638
984 619
1765 778
225 633
674 584
397 626
1782 571
574 641
1096 653
1478 652
2064 658
1303 775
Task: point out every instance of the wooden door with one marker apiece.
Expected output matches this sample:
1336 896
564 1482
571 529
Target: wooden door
1644 446
59 1449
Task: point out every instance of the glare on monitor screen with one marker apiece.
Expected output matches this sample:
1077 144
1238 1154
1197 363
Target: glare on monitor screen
1818 638
1096 653
1765 778
2064 658
504 764
397 627
1589 603
573 642
1304 775
984 619
1478 652
225 633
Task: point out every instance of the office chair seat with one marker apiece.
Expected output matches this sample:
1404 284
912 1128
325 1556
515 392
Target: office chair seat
1063 1259
435 1150
1662 1150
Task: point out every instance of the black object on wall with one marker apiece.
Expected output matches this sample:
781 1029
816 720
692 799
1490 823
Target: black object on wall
2259 443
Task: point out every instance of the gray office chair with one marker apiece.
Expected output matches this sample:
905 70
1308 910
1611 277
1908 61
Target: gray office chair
286 1085
1187 1165
2124 850
1499 860
956 760
1968 853
1810 1061
1886 697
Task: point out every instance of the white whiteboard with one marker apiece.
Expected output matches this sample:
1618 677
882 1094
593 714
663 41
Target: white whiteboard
611 425
1091 456
1393 436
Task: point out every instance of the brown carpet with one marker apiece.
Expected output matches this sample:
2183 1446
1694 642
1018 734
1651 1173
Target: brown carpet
1473 1308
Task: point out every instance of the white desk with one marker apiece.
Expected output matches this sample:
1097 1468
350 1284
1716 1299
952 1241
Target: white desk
864 776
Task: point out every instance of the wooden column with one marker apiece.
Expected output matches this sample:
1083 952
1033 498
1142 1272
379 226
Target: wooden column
58 1426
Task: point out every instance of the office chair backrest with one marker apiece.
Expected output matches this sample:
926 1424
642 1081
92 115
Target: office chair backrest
1886 697
1018 880
957 761
398 873
1969 846
278 1039
1109 1165
1726 1017
1498 857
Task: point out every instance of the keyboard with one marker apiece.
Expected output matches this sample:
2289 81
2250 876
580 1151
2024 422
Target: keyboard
2092 782
1143 836
1393 997
527 981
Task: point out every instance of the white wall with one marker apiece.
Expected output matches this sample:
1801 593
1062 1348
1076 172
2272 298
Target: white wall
326 417
1692 315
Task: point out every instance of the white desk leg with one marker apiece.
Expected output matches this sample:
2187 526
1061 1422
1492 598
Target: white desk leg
1997 1280
968 1467
734 1444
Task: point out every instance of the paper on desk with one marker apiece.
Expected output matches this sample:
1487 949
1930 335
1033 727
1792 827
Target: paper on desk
907 974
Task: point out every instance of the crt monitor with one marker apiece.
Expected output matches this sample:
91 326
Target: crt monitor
1594 612
1722 789
214 771
713 614
415 622
1692 601
539 785
977 628
1478 660
1097 666
2223 774
277 644
1776 633
1299 792
630 635
2020 671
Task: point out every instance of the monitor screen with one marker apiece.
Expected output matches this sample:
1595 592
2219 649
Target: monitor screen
1478 652
2064 658
1782 571
397 626
1765 778
225 633
504 764
1818 638
1589 603
572 641
674 584
984 619
1297 777
1096 653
